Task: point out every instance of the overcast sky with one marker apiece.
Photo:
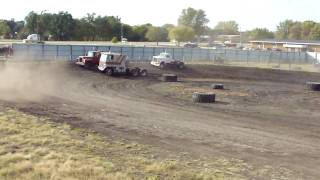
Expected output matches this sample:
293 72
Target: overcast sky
248 13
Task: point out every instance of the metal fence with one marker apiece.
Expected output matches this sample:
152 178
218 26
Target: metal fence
70 52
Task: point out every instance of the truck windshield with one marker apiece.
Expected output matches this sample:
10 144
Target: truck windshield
90 54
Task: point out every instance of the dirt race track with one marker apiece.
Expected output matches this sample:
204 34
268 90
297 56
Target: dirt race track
264 117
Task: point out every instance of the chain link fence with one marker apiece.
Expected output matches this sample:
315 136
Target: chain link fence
236 57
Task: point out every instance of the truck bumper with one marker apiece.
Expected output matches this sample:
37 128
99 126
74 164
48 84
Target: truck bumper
155 63
80 63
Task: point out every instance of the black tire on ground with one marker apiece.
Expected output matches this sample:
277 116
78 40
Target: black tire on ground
143 73
314 86
128 72
217 86
135 72
169 77
109 72
180 65
162 65
198 97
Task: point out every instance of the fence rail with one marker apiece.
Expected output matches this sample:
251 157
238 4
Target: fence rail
70 52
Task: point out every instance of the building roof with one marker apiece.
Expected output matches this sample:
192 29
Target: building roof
300 42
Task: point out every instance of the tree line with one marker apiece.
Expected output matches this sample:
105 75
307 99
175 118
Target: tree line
191 26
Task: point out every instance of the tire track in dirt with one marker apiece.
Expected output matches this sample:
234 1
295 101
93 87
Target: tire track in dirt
130 109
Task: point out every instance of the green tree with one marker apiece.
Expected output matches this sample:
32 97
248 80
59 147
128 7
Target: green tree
103 29
260 33
88 24
4 29
157 34
168 26
100 28
196 19
295 31
45 21
115 24
227 27
306 29
23 33
181 34
32 22
283 29
114 40
139 32
80 32
63 25
315 32
127 32
15 27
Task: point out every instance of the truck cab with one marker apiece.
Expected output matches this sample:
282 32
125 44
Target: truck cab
33 38
161 58
165 59
91 58
115 63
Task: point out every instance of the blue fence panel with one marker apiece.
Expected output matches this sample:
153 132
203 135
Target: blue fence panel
69 52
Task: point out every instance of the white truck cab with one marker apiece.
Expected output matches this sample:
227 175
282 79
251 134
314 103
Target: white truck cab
165 59
32 38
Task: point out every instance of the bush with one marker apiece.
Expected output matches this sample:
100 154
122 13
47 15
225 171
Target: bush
114 40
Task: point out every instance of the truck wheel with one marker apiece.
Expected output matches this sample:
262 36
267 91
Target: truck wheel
162 65
109 72
135 72
217 86
128 72
180 65
198 97
143 73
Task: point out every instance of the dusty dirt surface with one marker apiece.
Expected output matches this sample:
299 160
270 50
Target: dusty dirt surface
264 117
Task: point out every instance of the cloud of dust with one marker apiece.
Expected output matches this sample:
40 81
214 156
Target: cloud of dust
31 80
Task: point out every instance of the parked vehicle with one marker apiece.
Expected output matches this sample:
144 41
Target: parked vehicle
190 45
165 59
114 63
124 40
216 45
90 59
33 38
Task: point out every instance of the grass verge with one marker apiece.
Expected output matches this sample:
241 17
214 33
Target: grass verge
36 148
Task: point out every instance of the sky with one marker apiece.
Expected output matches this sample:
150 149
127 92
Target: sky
248 14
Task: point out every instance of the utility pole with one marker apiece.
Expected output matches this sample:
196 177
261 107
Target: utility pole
121 32
240 37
